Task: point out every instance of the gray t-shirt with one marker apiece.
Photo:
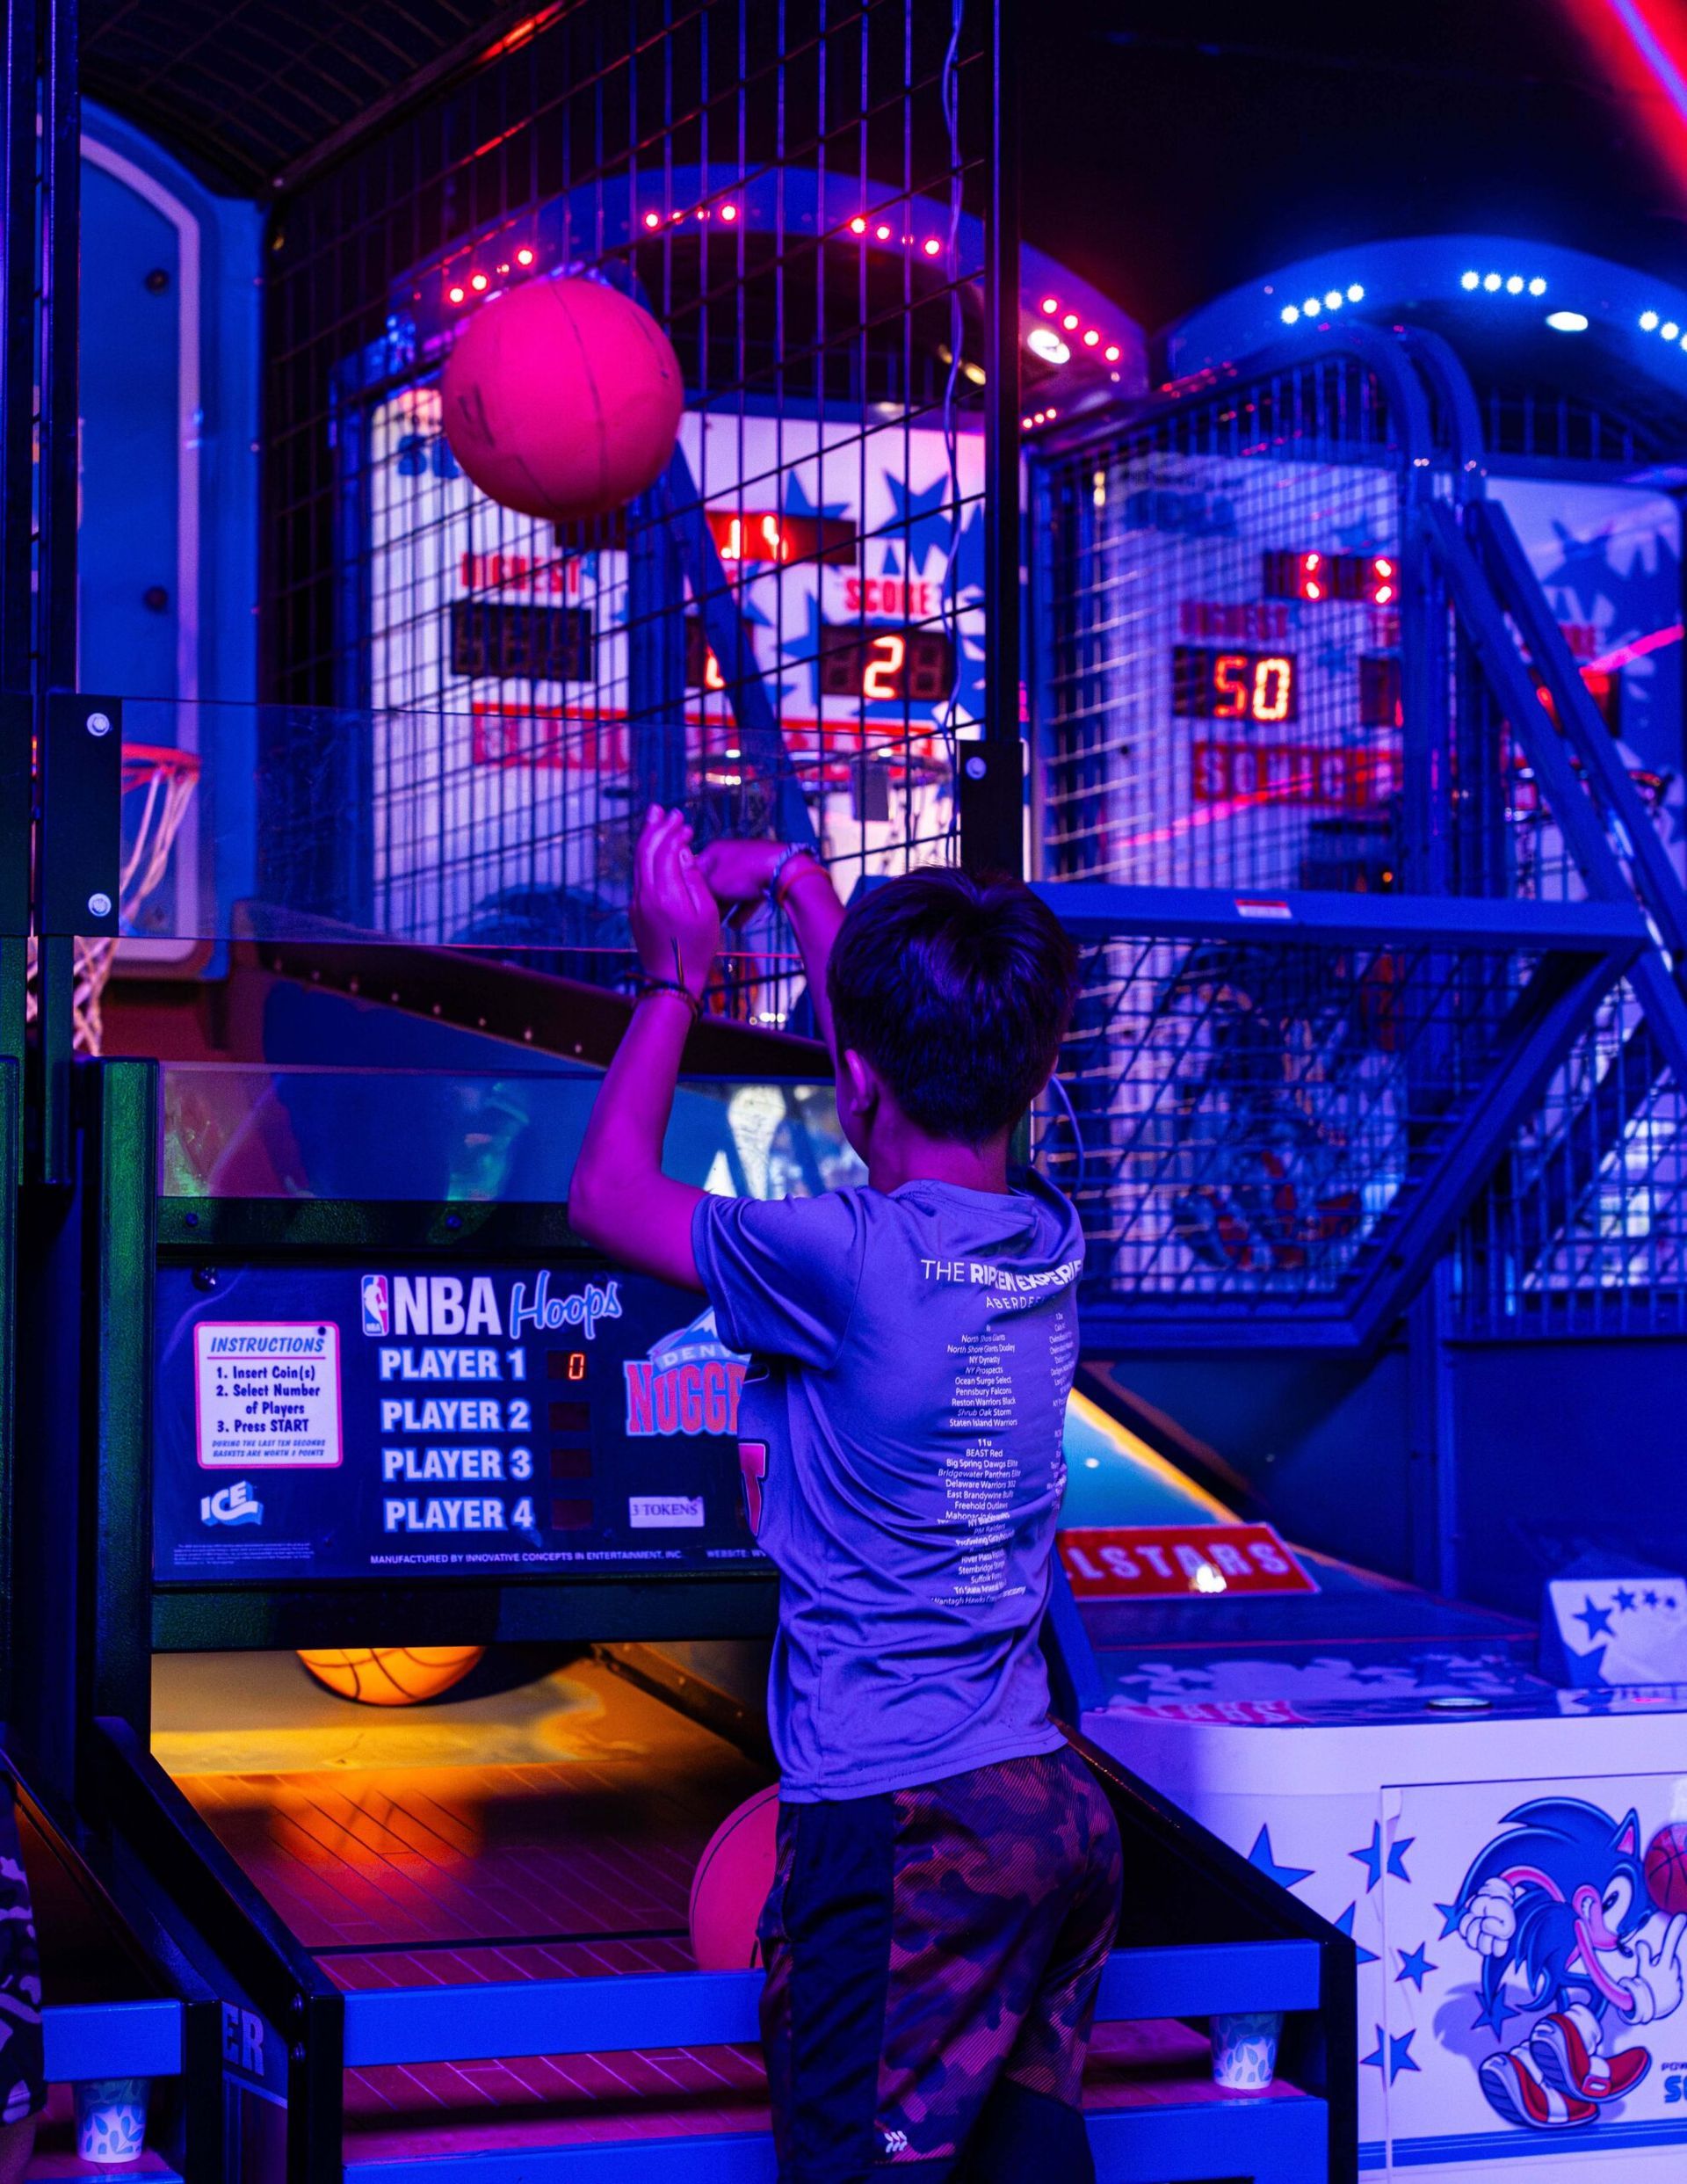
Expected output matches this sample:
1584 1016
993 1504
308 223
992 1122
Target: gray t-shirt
900 1438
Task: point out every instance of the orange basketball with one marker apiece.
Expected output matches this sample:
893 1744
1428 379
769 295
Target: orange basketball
392 1675
730 1886
561 399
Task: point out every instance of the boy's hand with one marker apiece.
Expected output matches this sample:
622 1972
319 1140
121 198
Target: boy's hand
738 871
676 923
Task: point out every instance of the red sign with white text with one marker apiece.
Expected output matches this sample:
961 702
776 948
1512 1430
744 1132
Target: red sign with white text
1159 1561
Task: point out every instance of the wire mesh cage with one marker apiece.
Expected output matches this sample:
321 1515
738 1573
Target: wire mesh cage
1219 586
786 633
1239 1120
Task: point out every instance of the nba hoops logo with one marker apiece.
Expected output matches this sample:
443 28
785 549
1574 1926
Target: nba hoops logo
377 1307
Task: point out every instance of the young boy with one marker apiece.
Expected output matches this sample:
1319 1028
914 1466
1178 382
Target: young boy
948 1870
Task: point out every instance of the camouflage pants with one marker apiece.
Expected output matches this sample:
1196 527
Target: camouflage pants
23 2085
933 1957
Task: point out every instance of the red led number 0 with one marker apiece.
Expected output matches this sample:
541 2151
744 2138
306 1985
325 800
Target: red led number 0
1273 688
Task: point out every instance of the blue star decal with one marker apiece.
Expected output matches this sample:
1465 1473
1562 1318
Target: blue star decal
1344 1925
1625 1599
1260 1856
1651 1598
797 502
1597 1619
1451 1914
1493 2013
921 524
1399 2055
1415 1965
1377 2059
1371 1859
1397 1857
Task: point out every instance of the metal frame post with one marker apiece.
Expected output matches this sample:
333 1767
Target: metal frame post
990 793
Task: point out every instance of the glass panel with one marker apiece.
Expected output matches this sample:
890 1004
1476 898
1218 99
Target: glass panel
242 1132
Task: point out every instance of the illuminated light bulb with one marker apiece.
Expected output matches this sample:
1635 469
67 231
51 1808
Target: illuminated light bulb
1051 304
1024 424
653 220
524 257
931 246
1355 293
1470 280
1648 322
1670 330
477 281
1070 321
729 212
857 226
1514 286
1567 321
1310 307
881 235
1110 353
1291 314
456 296
1491 282
1090 338
1333 301
1052 410
1537 287
1044 342
504 269
702 212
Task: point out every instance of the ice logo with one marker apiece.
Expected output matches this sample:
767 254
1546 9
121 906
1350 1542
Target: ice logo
377 1306
232 1505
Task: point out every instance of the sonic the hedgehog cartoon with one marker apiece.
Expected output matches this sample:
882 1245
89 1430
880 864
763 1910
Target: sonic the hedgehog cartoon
1555 1905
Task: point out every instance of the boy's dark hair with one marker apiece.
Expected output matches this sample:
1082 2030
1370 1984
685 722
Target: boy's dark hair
957 991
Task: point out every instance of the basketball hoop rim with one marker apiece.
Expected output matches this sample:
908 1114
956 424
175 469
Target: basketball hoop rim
141 760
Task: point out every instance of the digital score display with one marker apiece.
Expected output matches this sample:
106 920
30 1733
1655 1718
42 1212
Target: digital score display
770 536
1313 576
506 639
886 666
1211 685
500 1421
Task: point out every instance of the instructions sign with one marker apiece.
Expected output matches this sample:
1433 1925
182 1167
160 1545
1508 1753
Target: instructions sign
267 1395
1159 1561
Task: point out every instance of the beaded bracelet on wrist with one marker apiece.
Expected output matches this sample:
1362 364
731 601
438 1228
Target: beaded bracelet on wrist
778 886
671 985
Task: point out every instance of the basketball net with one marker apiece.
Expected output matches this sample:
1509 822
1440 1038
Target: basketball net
158 784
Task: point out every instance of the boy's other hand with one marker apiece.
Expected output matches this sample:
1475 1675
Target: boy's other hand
676 923
738 871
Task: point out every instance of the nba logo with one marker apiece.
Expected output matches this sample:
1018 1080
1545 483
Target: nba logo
376 1319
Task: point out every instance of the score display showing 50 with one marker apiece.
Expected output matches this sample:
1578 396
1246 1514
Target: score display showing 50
1211 685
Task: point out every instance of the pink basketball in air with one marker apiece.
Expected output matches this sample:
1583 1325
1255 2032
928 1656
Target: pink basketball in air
730 1886
1665 1868
561 399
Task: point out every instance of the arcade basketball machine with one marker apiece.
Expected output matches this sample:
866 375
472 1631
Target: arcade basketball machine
479 1934
1373 1110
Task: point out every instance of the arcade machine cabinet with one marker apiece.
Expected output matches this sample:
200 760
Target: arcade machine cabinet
468 1923
1380 1754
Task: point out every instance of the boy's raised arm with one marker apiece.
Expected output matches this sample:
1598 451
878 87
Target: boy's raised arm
619 1197
739 871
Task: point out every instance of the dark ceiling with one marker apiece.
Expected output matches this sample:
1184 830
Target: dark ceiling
249 87
1172 147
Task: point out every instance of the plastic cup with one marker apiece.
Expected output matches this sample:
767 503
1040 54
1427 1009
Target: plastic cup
111 2119
1244 2049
